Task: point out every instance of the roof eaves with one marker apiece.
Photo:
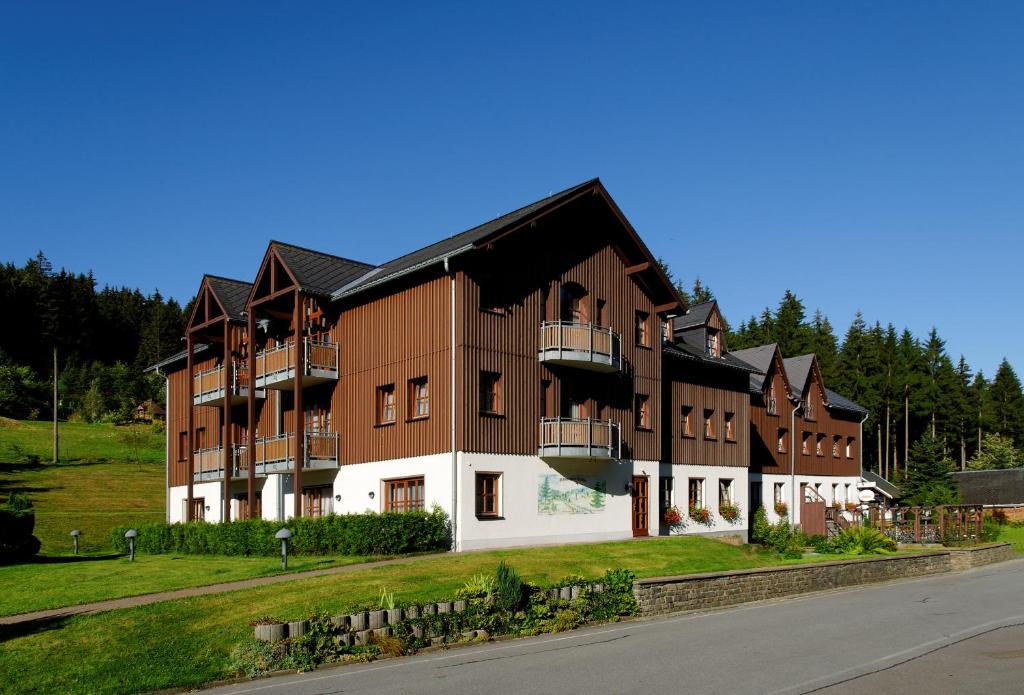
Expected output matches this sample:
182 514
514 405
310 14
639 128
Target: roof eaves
357 285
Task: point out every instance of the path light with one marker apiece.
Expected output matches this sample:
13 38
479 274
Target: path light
75 533
131 534
283 535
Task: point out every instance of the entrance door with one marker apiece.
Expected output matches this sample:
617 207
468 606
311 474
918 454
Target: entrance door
641 505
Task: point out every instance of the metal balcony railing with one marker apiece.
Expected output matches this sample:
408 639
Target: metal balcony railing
580 344
579 438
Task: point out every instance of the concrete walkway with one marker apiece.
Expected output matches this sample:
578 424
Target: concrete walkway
146 599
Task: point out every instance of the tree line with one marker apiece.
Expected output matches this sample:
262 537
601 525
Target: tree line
104 337
916 393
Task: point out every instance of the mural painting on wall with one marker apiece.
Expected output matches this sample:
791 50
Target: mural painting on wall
558 495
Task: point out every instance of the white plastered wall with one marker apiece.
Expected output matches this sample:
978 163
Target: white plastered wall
847 489
711 475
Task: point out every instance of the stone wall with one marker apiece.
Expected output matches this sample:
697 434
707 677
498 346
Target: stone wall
661 595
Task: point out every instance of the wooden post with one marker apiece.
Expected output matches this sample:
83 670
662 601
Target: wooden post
300 423
190 466
917 523
55 447
250 453
226 439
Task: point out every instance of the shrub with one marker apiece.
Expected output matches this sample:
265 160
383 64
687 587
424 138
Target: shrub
759 527
390 533
508 587
990 530
862 540
17 521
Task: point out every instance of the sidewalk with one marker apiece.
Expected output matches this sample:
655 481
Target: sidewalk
146 599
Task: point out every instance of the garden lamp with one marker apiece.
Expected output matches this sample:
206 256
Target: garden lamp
283 535
75 533
131 534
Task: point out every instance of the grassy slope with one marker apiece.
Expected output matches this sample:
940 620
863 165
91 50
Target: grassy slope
67 581
93 489
187 642
1014 535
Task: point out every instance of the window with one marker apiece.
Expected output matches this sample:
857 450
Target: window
642 336
724 492
487 491
777 496
709 424
547 399
805 447
403 494
490 393
730 427
836 441
770 404
643 412
200 438
386 404
183 446
849 447
198 508
819 445
665 493
695 493
419 398
712 346
316 501
242 506
666 330
574 304
491 299
835 495
781 445
687 421
601 314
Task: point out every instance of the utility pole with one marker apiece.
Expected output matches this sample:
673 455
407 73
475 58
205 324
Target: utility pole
55 404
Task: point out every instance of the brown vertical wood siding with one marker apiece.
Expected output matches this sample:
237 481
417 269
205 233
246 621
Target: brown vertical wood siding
695 386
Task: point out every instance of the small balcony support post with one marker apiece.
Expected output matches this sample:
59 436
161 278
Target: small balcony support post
300 427
250 401
189 424
226 441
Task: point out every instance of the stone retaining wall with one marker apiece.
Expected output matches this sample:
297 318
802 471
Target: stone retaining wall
661 595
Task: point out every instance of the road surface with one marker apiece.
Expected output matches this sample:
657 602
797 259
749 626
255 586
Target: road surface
950 633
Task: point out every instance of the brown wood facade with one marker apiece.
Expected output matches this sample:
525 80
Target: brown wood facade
694 390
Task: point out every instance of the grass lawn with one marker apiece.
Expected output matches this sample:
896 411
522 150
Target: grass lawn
1013 535
187 642
67 581
93 489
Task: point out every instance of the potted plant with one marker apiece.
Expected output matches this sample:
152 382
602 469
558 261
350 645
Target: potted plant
701 515
781 509
672 518
851 506
730 512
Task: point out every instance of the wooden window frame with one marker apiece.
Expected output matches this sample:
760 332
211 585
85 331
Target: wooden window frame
728 484
730 427
415 398
323 502
819 449
642 329
382 406
642 411
779 493
709 424
699 502
407 483
836 443
686 416
805 443
712 343
781 445
483 496
199 439
849 446
182 447
494 395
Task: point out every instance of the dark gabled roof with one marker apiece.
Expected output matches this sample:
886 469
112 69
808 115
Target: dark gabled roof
689 352
176 357
883 485
317 272
760 358
798 369
696 316
997 487
453 245
232 294
838 402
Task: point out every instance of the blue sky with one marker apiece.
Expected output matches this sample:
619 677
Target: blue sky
866 155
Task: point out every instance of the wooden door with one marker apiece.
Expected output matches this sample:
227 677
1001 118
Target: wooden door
198 509
641 505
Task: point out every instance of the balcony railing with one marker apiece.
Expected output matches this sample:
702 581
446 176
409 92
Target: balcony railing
579 438
275 367
208 385
277 454
581 345
209 463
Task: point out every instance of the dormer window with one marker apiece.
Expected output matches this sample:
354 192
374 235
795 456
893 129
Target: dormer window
770 404
713 346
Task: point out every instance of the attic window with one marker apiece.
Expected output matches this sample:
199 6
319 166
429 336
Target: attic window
713 346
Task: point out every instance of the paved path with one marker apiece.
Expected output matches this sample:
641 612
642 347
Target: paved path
144 599
942 634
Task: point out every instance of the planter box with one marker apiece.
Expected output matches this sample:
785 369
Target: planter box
362 638
412 612
340 621
430 609
274 632
376 619
444 607
574 592
345 640
357 622
460 606
565 593
394 616
418 631
381 632
298 628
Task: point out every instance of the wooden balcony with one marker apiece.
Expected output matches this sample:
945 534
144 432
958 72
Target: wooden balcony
277 454
577 438
209 463
208 385
275 368
582 345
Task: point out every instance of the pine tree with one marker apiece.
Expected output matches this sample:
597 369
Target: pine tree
929 480
1006 404
824 346
791 332
997 453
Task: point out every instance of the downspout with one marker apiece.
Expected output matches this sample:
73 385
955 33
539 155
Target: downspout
792 465
452 414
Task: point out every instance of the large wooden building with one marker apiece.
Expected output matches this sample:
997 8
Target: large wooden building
535 397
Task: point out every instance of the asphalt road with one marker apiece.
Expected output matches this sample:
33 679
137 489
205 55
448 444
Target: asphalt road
945 634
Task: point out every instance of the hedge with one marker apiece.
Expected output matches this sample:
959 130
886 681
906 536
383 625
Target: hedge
17 521
390 533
